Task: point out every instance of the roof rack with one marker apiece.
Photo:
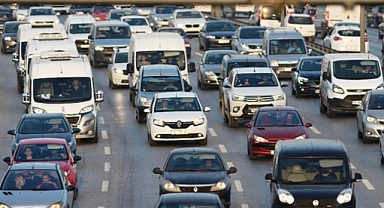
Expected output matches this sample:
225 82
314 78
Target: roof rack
50 36
59 54
282 29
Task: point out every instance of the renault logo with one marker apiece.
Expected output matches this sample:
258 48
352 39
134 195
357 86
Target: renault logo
315 203
179 123
258 99
195 189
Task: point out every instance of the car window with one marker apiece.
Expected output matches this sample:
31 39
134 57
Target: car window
118 14
165 9
177 104
11 28
356 69
176 58
188 14
255 80
42 125
180 31
80 28
352 33
287 46
243 64
278 118
252 33
42 12
121 57
376 102
300 20
311 65
135 21
41 152
214 58
220 26
36 179
194 162
160 83
113 32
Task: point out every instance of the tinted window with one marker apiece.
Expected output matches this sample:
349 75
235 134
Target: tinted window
42 12
287 46
135 21
118 14
80 28
165 9
121 58
214 58
300 20
177 104
32 179
41 152
311 65
356 69
352 33
376 102
176 58
42 125
220 26
244 64
193 162
278 118
113 32
252 33
191 14
255 80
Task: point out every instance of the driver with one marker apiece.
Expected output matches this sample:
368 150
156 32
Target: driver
294 48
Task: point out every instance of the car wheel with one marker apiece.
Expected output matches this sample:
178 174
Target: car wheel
19 85
297 94
250 154
365 138
323 108
75 193
96 138
382 159
111 85
130 96
330 112
3 51
220 102
200 46
139 118
151 141
198 83
203 86
225 118
293 90
232 122
204 141
189 55
359 134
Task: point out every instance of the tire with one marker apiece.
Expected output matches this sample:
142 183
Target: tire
330 112
95 139
220 102
204 141
188 55
200 46
359 134
75 193
375 24
130 96
232 122
139 118
382 158
203 86
297 94
250 154
380 36
151 141
20 87
3 51
365 139
323 108
293 91
225 118
198 83
111 85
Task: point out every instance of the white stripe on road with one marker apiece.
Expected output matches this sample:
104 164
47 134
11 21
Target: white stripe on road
212 132
107 150
230 164
100 207
381 205
107 166
98 107
104 134
314 130
104 187
352 166
101 120
368 184
244 206
238 186
222 148
199 54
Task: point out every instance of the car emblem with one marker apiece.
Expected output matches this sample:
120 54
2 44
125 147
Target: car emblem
359 91
315 203
223 37
62 109
258 99
179 123
195 189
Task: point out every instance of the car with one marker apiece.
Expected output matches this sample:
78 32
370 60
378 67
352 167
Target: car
60 8
381 142
234 9
377 16
48 125
248 39
345 39
45 186
144 9
20 14
118 63
138 24
303 23
305 76
189 200
191 20
5 16
182 33
9 36
42 16
196 169
216 34
248 89
78 28
100 11
272 124
159 16
205 8
48 151
311 11
370 116
208 70
116 14
80 8
176 116
267 15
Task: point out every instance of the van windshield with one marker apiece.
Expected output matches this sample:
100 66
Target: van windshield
113 32
23 47
314 170
161 83
80 28
287 46
62 90
356 69
244 64
176 58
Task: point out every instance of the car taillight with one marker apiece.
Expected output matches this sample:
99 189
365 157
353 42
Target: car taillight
326 16
366 39
337 38
292 12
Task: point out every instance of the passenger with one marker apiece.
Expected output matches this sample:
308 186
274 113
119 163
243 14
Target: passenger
164 106
143 61
56 129
20 182
325 175
187 106
28 154
265 81
76 90
368 69
100 34
55 154
209 164
170 87
47 183
294 48
275 49
247 82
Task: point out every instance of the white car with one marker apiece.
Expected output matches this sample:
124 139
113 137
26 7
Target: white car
42 16
60 8
206 8
345 39
176 116
118 63
303 23
78 28
137 24
191 20
20 13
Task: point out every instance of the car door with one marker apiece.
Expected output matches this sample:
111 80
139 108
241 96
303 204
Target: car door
235 41
227 92
361 113
327 39
202 35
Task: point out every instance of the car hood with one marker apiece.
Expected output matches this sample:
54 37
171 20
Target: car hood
29 198
377 113
167 16
83 36
212 67
46 135
43 17
120 66
251 41
318 192
287 58
251 91
275 133
178 115
194 177
315 75
190 21
222 33
113 42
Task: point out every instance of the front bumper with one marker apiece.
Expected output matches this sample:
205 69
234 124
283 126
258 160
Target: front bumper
171 132
159 24
245 110
215 43
373 130
263 148
322 203
102 56
9 45
210 80
120 79
308 88
87 123
349 103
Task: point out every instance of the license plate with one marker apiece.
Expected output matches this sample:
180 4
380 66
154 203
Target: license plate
272 152
223 41
356 102
84 46
317 91
287 69
178 132
350 48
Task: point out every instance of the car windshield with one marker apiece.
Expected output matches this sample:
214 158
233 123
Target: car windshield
244 64
161 83
376 102
118 14
113 32
43 125
177 104
277 118
27 6
349 32
220 26
135 21
311 65
189 14
302 20
80 28
42 12
62 90
311 171
255 80
32 179
214 58
194 162
41 152
252 33
121 57
165 9
287 46
176 30
11 28
176 58
356 69
5 15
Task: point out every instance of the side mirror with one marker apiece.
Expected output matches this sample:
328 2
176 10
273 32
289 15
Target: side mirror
207 109
15 57
191 67
248 125
157 171
188 88
360 108
11 132
26 99
200 63
71 188
7 160
231 170
234 37
268 178
99 96
325 76
294 69
284 83
129 68
90 37
308 125
358 178
147 110
310 51
134 89
76 130
171 18
77 158
227 85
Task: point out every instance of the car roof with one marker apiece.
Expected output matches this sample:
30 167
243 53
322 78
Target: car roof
40 7
311 57
159 70
221 51
311 147
42 141
350 56
186 10
280 108
188 197
194 150
170 28
175 94
109 23
44 115
133 16
16 22
32 165
236 57
247 70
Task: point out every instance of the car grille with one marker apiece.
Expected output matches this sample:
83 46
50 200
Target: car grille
183 125
223 37
354 97
165 20
254 46
73 120
287 65
192 25
267 98
359 90
108 49
195 188
43 22
172 136
308 204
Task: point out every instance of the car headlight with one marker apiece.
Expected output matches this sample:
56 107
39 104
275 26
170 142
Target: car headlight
198 121
144 101
301 137
97 18
159 19
380 87
155 18
99 48
118 71
238 97
87 109
221 185
279 96
259 139
372 119
4 206
210 37
209 73
344 196
337 89
57 21
285 196
159 122
244 45
169 186
56 205
7 38
274 63
38 110
179 25
301 80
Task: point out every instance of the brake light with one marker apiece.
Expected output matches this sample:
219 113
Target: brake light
326 17
337 38
366 39
292 12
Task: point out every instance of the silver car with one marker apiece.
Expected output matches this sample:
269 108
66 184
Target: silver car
248 39
370 116
160 14
36 185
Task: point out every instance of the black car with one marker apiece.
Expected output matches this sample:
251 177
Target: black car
5 15
306 76
196 170
377 16
312 173
189 200
44 125
216 33
9 36
80 8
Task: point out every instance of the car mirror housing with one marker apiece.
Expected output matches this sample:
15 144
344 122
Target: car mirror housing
358 178
11 132
308 125
7 160
77 158
232 170
248 125
207 109
157 171
76 130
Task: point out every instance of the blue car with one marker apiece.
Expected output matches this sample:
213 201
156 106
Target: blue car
216 34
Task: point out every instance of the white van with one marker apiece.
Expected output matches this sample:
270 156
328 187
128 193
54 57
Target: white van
157 48
345 78
78 28
62 82
26 32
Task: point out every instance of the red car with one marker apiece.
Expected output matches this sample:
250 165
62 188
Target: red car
271 124
100 11
50 150
182 34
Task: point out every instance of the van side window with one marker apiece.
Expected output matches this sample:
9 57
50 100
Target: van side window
329 70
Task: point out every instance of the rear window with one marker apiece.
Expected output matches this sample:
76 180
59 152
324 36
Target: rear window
269 12
352 33
300 20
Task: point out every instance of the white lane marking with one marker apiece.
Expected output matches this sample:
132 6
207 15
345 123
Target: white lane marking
98 107
244 206
381 204
101 120
212 132
104 187
104 134
107 150
238 186
100 207
368 184
352 166
107 166
199 54
230 164
222 148
314 130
